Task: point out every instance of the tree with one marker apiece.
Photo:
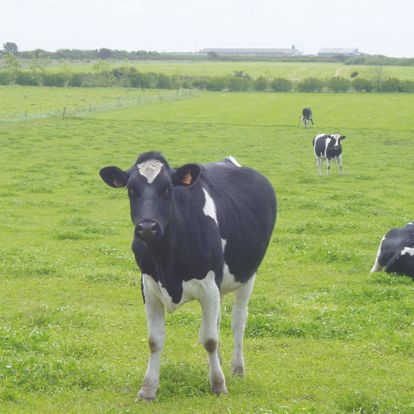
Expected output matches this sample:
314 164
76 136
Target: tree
105 53
10 62
10 47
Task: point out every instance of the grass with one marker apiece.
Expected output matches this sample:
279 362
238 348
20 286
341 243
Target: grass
322 336
290 70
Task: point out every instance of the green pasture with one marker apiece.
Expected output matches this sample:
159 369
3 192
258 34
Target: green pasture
322 337
289 70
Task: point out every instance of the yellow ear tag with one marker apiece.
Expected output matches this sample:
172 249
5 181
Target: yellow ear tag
187 178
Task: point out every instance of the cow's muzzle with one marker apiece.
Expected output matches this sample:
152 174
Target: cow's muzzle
148 230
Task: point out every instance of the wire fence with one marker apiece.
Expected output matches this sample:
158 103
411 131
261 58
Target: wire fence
120 102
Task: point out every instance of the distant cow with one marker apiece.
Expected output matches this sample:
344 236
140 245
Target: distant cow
307 117
396 252
328 147
201 231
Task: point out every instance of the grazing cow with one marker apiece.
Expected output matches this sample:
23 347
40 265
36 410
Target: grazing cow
306 117
328 147
396 252
201 231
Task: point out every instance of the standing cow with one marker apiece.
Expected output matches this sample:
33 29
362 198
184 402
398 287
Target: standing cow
306 117
396 252
201 231
328 147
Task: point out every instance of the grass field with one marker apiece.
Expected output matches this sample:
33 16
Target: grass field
322 336
293 71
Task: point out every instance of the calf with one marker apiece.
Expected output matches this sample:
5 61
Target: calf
306 117
328 147
201 231
396 252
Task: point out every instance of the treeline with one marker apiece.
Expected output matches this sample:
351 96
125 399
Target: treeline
114 54
239 81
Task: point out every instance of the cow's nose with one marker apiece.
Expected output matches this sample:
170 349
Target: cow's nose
147 230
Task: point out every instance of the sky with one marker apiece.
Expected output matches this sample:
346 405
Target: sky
373 26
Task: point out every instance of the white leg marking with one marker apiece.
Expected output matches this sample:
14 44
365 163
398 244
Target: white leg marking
319 161
377 267
210 304
339 161
156 337
238 324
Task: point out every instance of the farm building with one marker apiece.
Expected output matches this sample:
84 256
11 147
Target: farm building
293 51
338 51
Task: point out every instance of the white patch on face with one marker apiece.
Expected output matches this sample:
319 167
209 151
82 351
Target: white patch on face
209 208
233 160
150 169
407 250
192 289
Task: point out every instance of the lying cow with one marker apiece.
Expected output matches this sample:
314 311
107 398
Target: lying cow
396 252
307 117
328 147
201 231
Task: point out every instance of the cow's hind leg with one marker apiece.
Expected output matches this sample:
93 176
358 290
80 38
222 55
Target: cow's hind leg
210 305
238 324
156 337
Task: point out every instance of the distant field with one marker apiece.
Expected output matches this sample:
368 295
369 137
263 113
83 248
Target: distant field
322 336
293 71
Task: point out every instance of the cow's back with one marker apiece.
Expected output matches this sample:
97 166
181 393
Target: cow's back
246 214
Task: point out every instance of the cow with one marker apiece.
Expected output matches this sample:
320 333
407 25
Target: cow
306 117
328 147
396 252
200 232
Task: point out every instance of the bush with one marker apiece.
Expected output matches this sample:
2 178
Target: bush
164 82
238 84
261 83
391 85
354 74
338 84
215 84
6 77
76 80
53 79
281 85
362 85
27 79
407 86
310 85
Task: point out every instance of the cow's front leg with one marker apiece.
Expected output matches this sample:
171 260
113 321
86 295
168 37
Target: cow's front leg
238 324
340 165
156 337
210 305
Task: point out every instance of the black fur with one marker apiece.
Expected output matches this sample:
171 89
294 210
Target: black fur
186 243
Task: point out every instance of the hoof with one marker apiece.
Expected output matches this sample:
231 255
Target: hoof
146 394
219 389
238 371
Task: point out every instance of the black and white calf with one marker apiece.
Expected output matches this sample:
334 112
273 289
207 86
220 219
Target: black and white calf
201 231
328 147
396 252
307 117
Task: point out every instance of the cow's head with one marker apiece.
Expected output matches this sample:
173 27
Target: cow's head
337 140
151 185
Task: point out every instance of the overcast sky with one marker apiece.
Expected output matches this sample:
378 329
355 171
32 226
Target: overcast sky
373 26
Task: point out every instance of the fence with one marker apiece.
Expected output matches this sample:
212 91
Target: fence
120 102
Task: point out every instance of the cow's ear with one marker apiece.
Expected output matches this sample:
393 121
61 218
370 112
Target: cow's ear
114 176
186 175
342 137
